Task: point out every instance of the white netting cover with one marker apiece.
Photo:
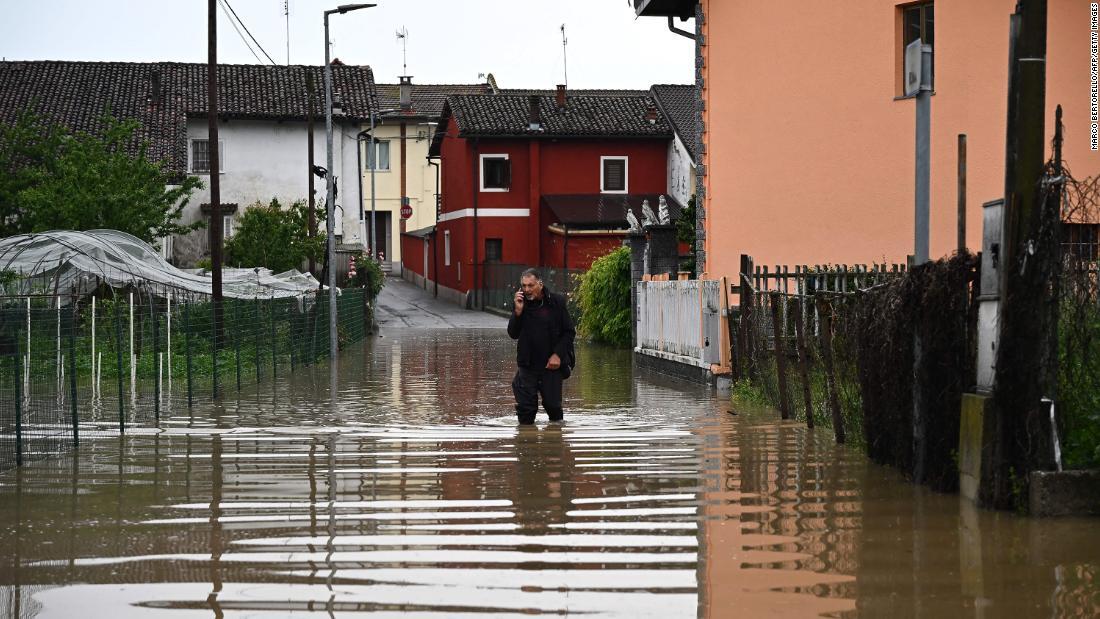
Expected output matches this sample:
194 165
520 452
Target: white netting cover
65 261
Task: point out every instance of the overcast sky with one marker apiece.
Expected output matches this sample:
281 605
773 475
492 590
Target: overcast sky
449 41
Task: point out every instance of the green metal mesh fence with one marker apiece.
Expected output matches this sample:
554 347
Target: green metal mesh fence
77 367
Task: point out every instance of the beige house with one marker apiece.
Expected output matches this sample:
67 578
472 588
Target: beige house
402 174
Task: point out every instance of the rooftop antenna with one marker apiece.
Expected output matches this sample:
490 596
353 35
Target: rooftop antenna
564 55
286 13
403 36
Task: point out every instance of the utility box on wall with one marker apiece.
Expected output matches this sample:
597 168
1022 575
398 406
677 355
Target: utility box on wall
989 300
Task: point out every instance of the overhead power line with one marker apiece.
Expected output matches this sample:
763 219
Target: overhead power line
239 33
272 60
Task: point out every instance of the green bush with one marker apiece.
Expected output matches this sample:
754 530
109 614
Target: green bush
604 299
274 237
365 272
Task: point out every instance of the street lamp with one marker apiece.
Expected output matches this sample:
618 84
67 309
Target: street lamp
330 227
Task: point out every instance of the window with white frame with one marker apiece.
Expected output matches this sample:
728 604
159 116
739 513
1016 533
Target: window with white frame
200 156
613 171
227 226
447 248
381 156
496 172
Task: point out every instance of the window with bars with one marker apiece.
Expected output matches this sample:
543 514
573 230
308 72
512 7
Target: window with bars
200 156
918 22
613 174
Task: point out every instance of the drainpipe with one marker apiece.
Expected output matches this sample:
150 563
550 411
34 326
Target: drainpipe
476 186
435 235
683 33
359 176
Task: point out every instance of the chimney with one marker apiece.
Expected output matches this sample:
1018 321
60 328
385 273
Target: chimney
535 119
406 91
155 79
651 113
337 103
561 96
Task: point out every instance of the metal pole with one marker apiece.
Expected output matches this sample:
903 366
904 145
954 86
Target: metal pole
923 167
330 210
372 161
962 193
214 157
72 371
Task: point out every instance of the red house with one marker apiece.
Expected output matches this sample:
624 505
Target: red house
536 180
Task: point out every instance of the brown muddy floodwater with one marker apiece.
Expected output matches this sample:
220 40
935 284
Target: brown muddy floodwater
413 493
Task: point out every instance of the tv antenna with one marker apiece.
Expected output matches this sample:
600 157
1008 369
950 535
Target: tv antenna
564 55
403 36
286 14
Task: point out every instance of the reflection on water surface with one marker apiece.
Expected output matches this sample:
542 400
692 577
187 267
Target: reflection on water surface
413 493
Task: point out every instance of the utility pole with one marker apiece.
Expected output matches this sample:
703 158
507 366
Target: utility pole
1023 430
311 229
215 166
923 165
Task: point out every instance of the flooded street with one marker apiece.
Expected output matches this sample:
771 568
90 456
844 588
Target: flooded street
412 492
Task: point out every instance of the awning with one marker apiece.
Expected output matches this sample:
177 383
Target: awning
421 233
603 210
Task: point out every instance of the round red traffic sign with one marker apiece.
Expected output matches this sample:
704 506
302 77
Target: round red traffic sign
406 211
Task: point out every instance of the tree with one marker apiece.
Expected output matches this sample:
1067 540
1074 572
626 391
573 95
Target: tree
25 148
54 180
604 299
273 237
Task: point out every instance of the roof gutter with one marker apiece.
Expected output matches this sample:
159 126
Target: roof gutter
679 31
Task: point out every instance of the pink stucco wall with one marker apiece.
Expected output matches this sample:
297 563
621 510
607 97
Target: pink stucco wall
809 155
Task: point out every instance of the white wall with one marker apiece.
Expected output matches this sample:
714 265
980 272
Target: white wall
681 172
268 159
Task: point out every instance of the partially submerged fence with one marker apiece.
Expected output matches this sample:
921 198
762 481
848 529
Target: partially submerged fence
74 366
680 321
881 355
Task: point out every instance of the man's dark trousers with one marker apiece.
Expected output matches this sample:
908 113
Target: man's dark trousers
528 385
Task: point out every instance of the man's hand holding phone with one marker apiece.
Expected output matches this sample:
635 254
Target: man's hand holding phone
518 302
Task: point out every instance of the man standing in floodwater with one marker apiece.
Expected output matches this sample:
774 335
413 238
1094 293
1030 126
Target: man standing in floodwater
540 321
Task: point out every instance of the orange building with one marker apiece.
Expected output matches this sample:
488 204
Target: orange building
808 142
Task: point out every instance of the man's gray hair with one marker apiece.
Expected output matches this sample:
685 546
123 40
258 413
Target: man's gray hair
532 272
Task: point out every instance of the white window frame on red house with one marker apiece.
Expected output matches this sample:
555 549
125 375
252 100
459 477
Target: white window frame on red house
483 157
626 173
446 248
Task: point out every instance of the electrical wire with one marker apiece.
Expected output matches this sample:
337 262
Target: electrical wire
226 2
234 24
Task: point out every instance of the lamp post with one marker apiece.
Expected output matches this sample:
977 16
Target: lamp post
330 211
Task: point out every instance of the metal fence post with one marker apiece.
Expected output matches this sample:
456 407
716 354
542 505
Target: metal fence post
118 366
156 358
187 339
274 349
18 401
72 372
237 338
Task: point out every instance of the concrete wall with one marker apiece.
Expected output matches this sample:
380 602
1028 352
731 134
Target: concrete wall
809 152
268 159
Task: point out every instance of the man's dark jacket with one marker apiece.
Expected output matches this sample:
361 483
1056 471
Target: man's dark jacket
544 329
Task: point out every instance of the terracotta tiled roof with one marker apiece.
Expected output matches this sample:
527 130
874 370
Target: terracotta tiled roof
427 99
582 116
76 95
678 104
